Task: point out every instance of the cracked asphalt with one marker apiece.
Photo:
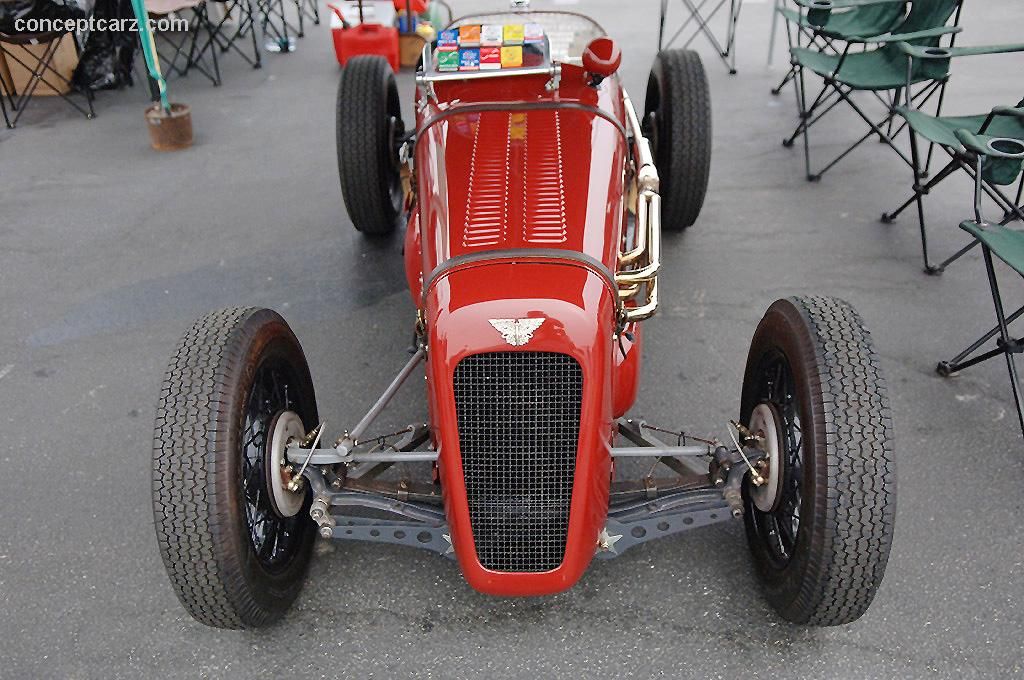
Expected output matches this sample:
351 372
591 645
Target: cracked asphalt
108 251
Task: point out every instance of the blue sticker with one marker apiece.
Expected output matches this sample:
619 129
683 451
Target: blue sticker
469 59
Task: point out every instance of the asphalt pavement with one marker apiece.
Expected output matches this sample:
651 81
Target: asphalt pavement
109 250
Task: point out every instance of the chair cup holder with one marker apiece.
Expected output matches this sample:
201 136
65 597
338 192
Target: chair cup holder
821 4
938 52
1005 146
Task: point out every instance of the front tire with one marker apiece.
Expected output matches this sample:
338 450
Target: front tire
821 548
232 560
369 127
678 124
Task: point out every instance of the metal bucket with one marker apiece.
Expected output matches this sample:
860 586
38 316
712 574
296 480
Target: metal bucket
170 131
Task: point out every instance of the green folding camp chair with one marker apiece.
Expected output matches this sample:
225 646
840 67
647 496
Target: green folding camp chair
814 29
1002 159
882 69
1002 121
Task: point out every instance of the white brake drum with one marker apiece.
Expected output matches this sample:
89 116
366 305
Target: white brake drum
764 420
283 427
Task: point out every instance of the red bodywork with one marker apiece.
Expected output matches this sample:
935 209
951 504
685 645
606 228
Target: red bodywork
503 164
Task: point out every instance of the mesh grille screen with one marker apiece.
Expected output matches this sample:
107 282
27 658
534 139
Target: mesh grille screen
519 422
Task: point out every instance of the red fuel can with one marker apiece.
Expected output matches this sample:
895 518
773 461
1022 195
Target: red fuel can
366 39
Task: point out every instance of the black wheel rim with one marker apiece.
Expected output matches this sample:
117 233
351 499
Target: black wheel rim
651 125
396 136
275 540
779 529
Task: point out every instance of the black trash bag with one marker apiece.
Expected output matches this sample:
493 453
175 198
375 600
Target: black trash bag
12 10
106 61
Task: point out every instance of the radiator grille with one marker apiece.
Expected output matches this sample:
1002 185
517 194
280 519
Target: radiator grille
519 421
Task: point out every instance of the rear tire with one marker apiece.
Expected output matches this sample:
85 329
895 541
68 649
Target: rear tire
822 549
233 562
369 126
678 124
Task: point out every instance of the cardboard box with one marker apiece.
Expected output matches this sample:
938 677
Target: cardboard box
447 60
490 58
449 38
513 34
469 35
63 62
491 35
5 75
469 59
512 56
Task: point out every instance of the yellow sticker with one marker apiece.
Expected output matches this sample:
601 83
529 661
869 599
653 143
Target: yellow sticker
513 33
512 57
517 126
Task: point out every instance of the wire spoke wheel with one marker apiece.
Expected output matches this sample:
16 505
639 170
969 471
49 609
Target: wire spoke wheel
677 122
273 538
821 544
369 134
779 527
233 561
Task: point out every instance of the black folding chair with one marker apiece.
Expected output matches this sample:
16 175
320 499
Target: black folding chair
237 24
279 32
1002 158
40 72
700 13
179 50
3 106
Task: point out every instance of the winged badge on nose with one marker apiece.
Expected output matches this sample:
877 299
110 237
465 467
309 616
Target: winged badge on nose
516 331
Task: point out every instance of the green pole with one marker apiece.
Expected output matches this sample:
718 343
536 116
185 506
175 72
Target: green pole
149 51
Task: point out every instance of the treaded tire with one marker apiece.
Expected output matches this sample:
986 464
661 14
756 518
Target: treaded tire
678 124
369 121
847 470
199 504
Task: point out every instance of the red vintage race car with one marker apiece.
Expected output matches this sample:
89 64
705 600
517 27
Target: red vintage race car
533 199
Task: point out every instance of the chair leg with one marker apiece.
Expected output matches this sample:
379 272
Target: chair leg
771 39
252 30
938 112
38 74
725 53
3 94
790 74
890 217
302 24
213 53
892 105
961 362
919 196
875 128
804 113
1009 345
1018 207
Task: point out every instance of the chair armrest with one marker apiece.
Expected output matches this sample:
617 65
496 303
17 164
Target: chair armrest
903 37
925 52
986 49
993 147
841 4
1013 111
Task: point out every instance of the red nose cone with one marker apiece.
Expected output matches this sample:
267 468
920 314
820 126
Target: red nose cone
602 57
